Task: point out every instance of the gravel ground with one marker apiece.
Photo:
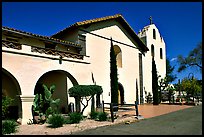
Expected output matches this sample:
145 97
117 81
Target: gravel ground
67 129
146 111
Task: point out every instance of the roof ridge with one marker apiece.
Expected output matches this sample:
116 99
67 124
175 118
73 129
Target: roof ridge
79 23
100 18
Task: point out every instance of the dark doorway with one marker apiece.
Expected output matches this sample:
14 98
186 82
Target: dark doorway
120 94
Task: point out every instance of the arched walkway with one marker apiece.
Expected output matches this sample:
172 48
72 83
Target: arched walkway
62 81
11 88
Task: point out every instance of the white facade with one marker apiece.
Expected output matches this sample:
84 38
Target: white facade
34 63
157 47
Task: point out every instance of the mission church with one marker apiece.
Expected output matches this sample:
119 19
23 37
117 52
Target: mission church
80 55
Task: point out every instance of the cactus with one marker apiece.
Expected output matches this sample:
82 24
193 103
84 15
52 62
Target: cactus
44 104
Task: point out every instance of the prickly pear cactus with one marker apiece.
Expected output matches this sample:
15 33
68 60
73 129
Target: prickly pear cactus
43 104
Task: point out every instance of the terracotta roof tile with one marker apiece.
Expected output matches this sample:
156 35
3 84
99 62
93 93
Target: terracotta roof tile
116 16
81 23
40 36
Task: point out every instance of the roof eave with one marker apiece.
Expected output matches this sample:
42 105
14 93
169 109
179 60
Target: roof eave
39 37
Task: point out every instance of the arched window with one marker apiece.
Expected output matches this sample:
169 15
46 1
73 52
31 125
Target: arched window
154 34
118 53
161 54
152 50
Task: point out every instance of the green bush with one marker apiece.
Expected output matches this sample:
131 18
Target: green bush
6 102
94 114
9 126
102 116
56 120
75 117
67 121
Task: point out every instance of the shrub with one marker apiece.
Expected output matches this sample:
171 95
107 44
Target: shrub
67 121
9 126
81 92
102 116
56 120
94 114
6 102
75 117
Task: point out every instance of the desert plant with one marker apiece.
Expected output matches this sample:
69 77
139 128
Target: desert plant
94 114
56 120
75 117
149 98
6 102
9 126
44 104
87 92
67 120
102 116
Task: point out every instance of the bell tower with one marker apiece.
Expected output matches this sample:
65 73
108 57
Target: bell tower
152 38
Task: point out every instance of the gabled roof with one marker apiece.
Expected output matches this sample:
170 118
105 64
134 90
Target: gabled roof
50 39
117 17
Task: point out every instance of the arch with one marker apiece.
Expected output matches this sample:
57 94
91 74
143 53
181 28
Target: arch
120 94
118 54
154 34
63 80
152 50
11 88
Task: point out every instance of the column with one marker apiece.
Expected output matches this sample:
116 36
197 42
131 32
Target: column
27 102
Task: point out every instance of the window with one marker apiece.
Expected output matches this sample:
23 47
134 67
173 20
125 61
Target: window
82 42
154 34
118 54
161 54
152 50
81 39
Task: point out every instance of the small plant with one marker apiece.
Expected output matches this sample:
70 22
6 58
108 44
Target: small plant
94 114
102 116
6 102
9 126
75 117
56 120
149 98
67 121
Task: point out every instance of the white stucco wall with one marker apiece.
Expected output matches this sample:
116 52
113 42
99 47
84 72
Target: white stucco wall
28 69
99 51
147 60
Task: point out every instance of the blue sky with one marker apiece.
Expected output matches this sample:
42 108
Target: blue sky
180 23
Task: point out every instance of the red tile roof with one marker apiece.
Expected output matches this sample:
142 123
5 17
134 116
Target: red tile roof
42 37
117 17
